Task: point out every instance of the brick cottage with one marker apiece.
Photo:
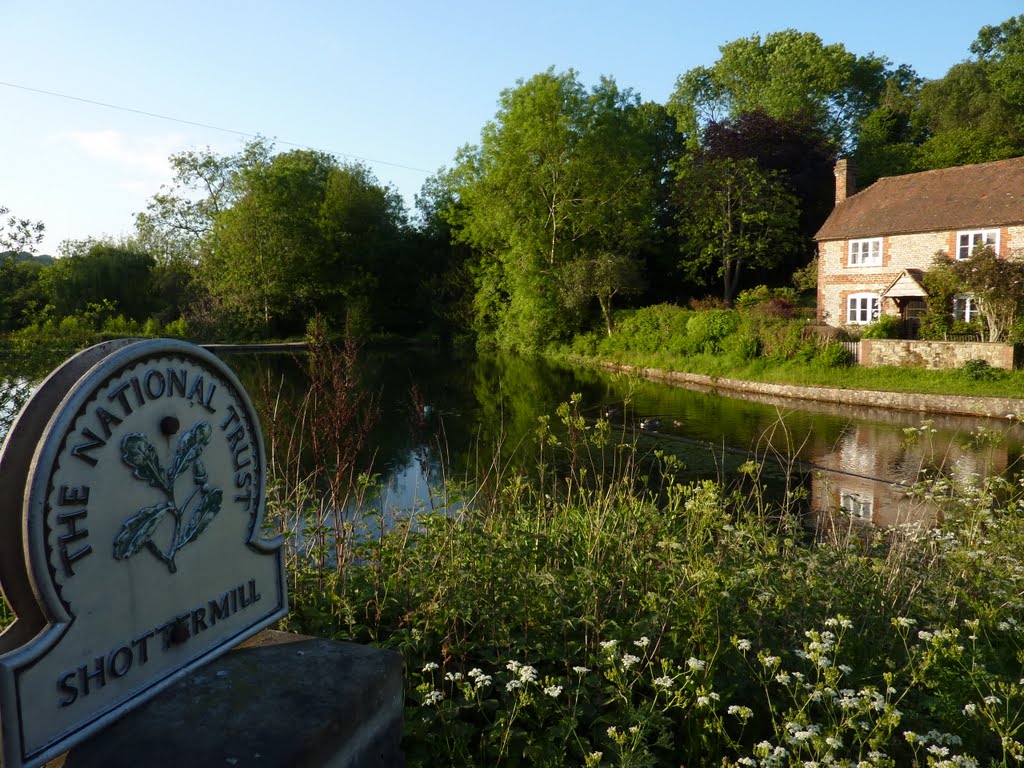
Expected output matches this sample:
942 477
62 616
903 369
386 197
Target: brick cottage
876 243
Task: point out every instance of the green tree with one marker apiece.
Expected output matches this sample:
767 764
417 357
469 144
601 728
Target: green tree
303 236
179 219
997 285
561 173
18 234
448 279
603 277
966 119
785 74
734 216
102 273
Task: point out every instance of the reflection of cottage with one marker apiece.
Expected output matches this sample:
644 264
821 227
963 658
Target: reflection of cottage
876 243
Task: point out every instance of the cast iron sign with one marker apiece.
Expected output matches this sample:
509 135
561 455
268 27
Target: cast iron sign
132 492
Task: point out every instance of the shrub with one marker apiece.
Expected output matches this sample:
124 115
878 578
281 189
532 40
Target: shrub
979 370
650 329
885 327
706 330
742 346
177 329
586 344
775 302
833 355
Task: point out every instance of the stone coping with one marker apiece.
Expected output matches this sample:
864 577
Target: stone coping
955 405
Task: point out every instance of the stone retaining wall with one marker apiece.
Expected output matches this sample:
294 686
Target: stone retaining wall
934 355
991 407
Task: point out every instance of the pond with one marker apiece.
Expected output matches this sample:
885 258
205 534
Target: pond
438 411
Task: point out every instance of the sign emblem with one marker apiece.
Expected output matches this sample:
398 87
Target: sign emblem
133 552
191 518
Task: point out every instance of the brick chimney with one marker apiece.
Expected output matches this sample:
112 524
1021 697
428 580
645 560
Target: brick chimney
846 180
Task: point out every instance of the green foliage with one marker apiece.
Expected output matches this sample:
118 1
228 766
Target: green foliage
833 355
733 217
598 611
103 273
560 175
885 327
706 330
786 73
307 235
762 296
996 284
663 326
978 370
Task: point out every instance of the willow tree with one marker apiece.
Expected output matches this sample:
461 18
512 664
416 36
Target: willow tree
560 174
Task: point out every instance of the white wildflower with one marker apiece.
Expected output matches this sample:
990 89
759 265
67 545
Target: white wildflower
553 691
643 642
434 697
696 664
430 666
664 682
628 660
528 674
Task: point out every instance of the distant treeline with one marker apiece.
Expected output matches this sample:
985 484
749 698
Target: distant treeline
574 202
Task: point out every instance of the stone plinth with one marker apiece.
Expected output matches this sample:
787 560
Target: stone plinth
277 701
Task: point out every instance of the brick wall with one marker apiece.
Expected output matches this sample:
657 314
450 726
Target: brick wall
933 354
837 280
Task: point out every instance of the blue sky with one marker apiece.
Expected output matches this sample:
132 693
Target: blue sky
400 85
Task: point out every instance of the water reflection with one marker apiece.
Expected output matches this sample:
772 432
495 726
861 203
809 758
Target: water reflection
439 413
444 416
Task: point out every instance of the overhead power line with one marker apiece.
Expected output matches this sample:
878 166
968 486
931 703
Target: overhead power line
206 125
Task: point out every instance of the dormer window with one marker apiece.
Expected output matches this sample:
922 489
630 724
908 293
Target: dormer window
866 252
966 242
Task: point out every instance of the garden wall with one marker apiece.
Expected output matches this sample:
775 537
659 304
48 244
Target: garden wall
934 355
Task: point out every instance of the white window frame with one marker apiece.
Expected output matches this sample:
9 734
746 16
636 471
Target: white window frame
969 239
965 307
863 308
866 252
857 505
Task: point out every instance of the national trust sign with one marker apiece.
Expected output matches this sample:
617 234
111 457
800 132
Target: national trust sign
131 501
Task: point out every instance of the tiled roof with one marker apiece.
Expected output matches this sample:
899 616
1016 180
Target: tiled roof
965 197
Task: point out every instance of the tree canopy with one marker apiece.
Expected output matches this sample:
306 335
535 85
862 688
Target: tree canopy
737 217
560 174
785 74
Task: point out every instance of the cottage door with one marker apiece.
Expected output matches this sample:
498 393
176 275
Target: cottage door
911 313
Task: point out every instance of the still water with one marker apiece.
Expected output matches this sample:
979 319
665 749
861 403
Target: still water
436 411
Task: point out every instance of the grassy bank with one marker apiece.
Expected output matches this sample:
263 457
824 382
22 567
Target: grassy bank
763 344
